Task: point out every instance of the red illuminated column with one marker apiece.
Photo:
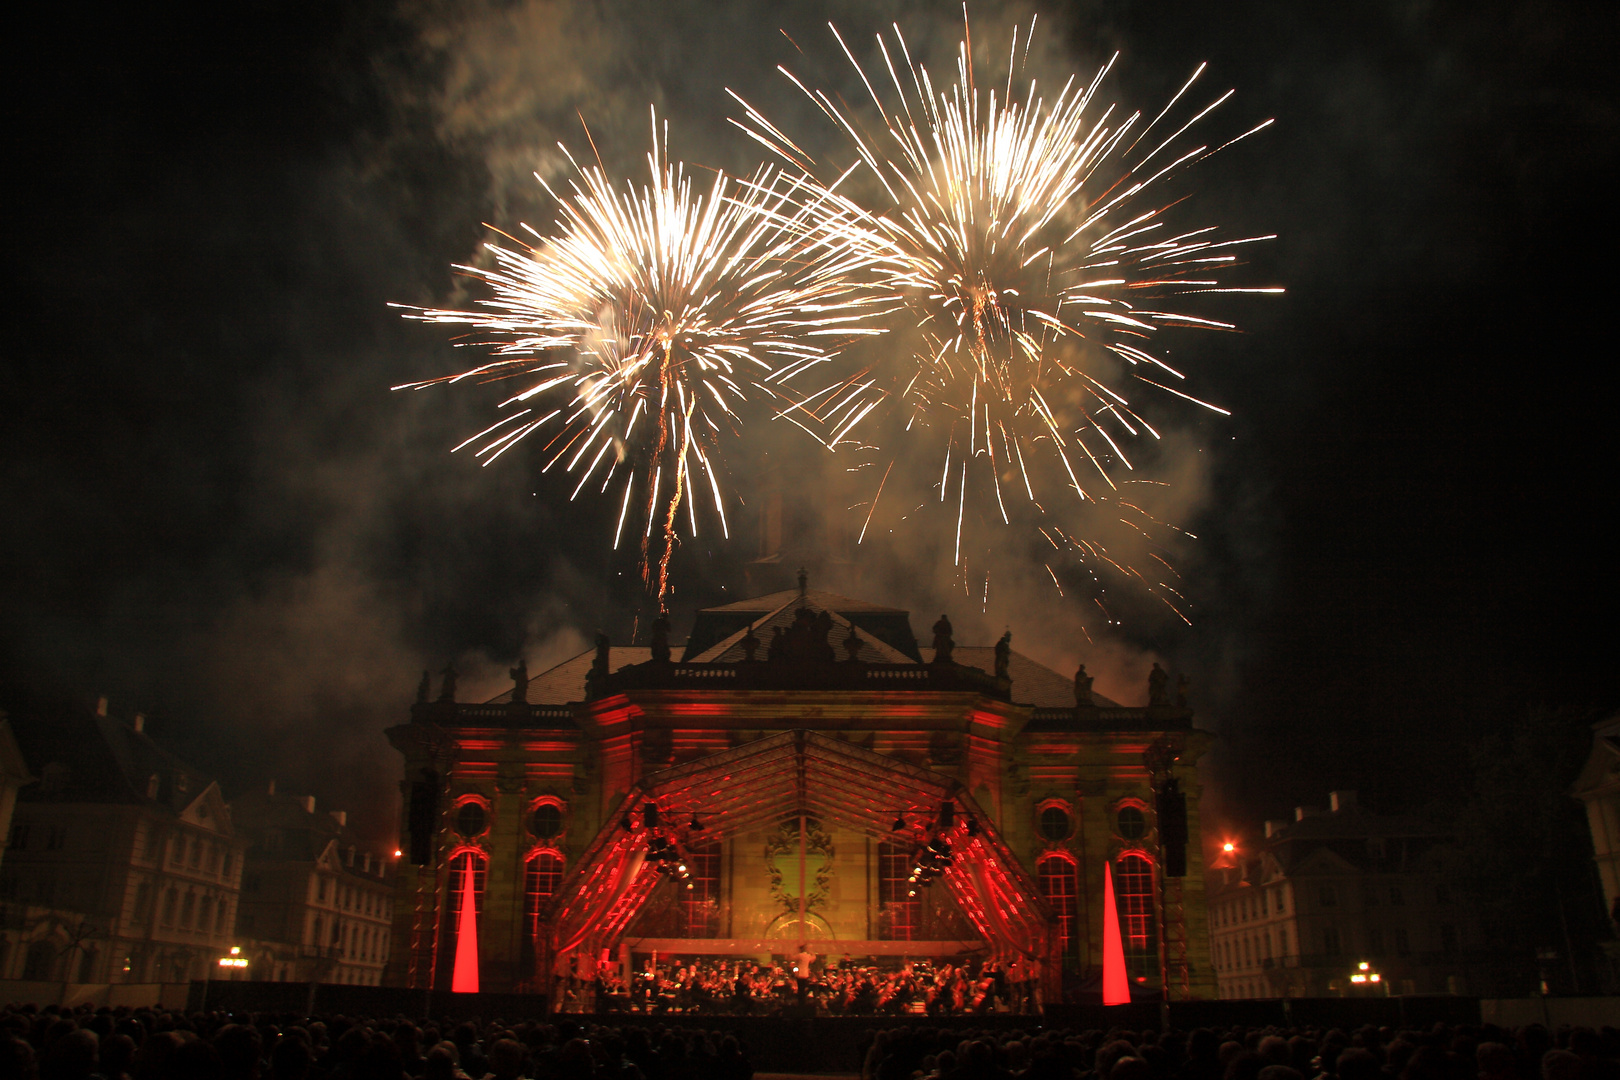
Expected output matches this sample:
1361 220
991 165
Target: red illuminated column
465 978
1116 985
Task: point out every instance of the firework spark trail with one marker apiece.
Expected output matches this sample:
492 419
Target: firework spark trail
646 322
1020 234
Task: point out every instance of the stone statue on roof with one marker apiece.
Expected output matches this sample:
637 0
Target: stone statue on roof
520 680
601 666
447 691
1158 686
943 645
660 638
1004 655
1082 687
424 688
852 644
750 645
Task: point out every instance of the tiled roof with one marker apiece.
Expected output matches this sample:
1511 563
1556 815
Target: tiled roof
1033 683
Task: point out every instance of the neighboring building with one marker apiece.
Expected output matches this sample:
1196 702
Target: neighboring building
1297 914
1598 786
315 906
13 775
627 802
122 865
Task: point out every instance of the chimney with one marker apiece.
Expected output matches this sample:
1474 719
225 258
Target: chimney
1274 827
101 705
365 863
1303 812
139 721
340 816
272 786
309 804
1341 800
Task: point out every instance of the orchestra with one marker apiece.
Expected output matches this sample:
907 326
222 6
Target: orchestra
725 986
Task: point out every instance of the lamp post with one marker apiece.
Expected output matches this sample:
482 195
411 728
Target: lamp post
1365 977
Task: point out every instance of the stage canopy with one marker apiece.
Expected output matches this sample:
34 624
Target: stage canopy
798 773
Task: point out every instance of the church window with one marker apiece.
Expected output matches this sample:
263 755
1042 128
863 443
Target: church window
899 912
463 863
1055 823
320 890
540 881
193 853
546 821
471 819
1133 884
700 908
1056 878
1132 825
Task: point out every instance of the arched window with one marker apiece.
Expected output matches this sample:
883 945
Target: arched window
1055 875
540 881
1133 885
462 863
700 907
900 912
541 877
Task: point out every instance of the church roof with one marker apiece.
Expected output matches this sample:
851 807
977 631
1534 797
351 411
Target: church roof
885 635
874 650
1033 683
566 681
876 623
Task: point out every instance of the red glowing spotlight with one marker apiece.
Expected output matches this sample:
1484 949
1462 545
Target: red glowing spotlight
1116 987
464 980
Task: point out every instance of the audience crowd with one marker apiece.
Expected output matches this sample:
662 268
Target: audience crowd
151 1044
145 1044
1464 1052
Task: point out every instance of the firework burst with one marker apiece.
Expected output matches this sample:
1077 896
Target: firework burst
1027 238
646 325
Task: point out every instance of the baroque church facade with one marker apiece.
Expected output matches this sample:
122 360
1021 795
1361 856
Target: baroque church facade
802 772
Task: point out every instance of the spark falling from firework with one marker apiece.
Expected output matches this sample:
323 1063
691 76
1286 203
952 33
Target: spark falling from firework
647 324
1028 241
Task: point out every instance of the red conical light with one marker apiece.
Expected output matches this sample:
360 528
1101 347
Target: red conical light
465 978
1116 986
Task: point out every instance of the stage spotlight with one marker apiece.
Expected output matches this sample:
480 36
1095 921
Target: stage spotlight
696 825
972 826
947 814
626 824
899 825
649 815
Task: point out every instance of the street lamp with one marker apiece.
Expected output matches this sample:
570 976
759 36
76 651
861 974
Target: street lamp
1364 975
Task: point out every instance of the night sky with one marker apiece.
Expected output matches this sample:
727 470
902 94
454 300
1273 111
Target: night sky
213 510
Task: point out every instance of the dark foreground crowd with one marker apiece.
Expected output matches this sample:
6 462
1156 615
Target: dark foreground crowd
1443 1052
145 1044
